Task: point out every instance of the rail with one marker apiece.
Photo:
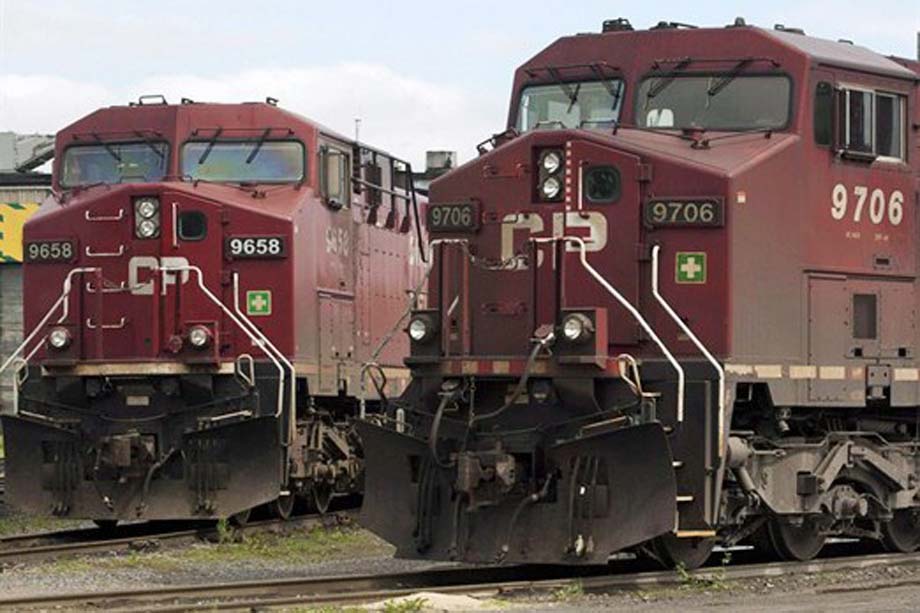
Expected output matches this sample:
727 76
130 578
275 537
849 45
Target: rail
695 340
626 304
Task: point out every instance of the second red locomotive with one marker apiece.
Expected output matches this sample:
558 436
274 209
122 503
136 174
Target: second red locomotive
674 306
201 292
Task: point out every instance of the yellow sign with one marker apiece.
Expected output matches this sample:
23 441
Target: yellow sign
13 215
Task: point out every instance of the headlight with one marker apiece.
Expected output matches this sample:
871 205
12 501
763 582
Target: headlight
59 338
147 207
550 188
199 337
577 327
147 229
419 329
551 162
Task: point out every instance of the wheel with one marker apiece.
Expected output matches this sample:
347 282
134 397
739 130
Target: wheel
240 519
794 543
106 524
282 507
902 533
322 496
687 553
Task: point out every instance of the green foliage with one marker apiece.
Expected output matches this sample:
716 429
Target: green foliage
406 605
715 580
572 590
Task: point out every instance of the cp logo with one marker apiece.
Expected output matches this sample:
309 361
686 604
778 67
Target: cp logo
595 239
150 266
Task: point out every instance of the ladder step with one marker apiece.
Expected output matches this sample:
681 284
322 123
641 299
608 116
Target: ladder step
677 464
685 498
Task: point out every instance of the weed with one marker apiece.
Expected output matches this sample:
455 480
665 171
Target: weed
570 591
406 605
225 533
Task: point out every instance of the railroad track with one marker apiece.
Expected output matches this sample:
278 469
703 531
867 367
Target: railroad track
132 537
477 581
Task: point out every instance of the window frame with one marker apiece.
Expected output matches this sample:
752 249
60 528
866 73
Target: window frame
322 169
246 141
843 123
790 102
166 161
183 214
519 96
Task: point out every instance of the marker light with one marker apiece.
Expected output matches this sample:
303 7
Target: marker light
59 338
199 337
550 188
419 329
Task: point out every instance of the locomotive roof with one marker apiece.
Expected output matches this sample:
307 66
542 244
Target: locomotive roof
842 54
643 45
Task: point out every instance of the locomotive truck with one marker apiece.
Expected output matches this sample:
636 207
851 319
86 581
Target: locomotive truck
672 306
200 294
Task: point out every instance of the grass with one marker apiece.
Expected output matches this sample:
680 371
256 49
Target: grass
715 581
18 523
2 449
295 548
570 591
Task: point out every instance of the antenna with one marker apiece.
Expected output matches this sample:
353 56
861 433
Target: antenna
357 129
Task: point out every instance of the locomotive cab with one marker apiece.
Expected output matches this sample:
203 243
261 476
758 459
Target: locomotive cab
616 356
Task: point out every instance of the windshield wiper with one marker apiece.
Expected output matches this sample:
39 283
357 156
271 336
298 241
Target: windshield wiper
258 147
567 89
615 91
150 143
723 82
211 143
663 82
109 149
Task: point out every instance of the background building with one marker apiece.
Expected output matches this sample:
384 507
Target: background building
21 191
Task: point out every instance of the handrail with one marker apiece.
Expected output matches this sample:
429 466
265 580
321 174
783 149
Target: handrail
65 293
259 342
696 341
283 358
583 257
104 254
90 217
372 360
66 287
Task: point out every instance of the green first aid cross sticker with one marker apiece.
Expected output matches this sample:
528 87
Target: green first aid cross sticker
259 302
690 267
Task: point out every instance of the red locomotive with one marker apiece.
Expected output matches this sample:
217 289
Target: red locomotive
201 292
673 306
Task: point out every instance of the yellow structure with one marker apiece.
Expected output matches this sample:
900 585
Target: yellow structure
13 215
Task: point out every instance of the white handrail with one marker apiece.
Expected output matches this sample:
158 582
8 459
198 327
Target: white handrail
292 434
696 341
259 342
65 293
583 256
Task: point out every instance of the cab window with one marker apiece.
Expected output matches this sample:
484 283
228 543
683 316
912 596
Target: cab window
129 162
334 173
577 104
243 161
871 123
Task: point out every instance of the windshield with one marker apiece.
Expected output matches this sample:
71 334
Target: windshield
244 162
717 102
114 163
583 104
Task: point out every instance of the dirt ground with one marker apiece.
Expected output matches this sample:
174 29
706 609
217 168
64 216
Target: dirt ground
351 550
